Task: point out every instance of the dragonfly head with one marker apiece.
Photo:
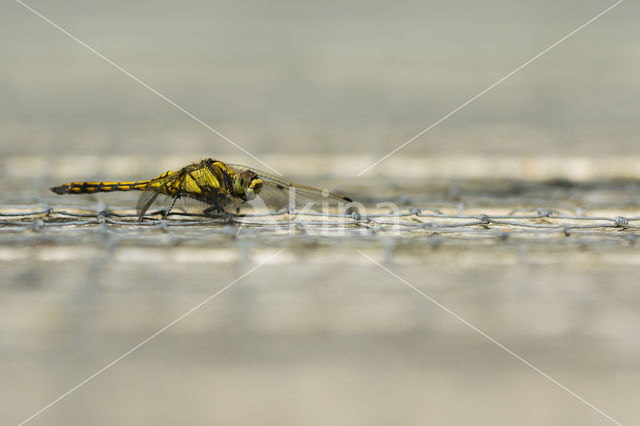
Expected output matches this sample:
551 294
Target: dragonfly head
247 184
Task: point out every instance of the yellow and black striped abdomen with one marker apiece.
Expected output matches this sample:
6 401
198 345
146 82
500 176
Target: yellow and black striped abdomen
91 187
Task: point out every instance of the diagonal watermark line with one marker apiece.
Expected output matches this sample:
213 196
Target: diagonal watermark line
491 339
491 87
163 329
142 83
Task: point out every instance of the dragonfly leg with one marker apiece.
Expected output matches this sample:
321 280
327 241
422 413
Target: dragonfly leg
166 212
217 211
213 211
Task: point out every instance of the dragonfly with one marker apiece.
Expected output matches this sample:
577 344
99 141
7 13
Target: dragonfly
223 188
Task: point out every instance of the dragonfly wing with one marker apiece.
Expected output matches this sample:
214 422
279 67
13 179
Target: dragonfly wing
278 193
144 202
157 186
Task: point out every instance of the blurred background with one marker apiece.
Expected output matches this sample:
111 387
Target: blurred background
320 90
332 77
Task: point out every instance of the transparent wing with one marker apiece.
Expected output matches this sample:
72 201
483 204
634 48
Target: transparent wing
278 193
144 202
156 187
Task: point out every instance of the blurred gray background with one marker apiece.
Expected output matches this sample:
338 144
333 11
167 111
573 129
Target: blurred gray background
320 77
321 336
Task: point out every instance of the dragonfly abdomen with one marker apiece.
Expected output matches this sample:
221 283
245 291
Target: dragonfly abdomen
91 187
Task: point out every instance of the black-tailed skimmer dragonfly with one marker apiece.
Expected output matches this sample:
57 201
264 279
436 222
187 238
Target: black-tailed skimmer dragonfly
223 188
